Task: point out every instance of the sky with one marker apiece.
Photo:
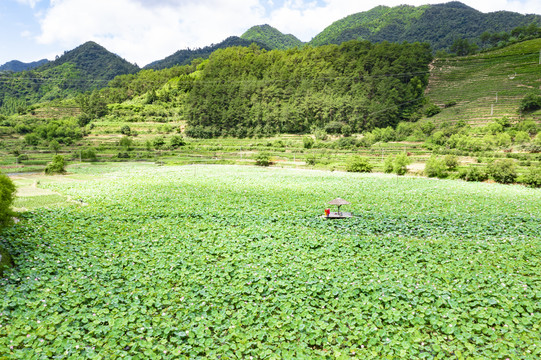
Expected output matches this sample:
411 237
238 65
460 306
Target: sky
142 31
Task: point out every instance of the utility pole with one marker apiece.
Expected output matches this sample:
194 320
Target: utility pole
491 109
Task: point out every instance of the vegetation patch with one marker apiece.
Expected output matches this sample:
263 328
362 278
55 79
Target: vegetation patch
228 261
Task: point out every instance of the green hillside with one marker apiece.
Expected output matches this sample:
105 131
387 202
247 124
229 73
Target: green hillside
186 56
364 25
486 86
89 66
439 25
271 37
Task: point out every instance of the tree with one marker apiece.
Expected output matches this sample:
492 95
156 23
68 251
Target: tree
176 141
530 102
57 166
126 143
158 142
435 167
388 164
307 142
400 164
263 159
358 164
54 146
503 171
462 47
125 130
7 195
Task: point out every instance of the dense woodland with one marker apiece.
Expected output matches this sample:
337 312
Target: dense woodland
358 85
440 25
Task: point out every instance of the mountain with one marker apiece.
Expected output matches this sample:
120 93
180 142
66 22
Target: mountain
271 37
93 61
185 57
440 25
89 66
17 66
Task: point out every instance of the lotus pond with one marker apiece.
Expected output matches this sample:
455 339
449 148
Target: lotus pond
236 263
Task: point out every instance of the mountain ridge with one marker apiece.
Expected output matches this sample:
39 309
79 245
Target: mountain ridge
18 66
271 37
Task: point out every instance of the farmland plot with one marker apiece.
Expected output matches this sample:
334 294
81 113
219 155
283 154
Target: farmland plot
235 262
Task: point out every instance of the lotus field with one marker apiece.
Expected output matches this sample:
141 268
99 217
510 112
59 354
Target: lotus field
227 262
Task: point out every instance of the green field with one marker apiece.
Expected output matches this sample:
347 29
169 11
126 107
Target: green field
235 262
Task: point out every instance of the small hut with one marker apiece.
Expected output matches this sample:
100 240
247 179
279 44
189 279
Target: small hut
338 214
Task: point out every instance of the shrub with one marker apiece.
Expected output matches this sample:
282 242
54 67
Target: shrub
530 102
522 137
346 130
89 154
125 130
400 164
388 164
473 173
307 142
503 171
158 142
358 164
176 141
432 110
56 166
451 162
126 143
533 177
310 159
7 195
436 167
263 159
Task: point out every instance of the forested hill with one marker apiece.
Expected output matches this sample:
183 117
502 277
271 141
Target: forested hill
89 66
440 25
356 86
17 66
185 57
271 37
93 61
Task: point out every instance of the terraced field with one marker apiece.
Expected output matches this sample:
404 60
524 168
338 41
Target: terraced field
486 86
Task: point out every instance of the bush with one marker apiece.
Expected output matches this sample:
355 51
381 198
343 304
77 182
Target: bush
307 142
451 162
533 177
400 164
388 164
310 159
530 102
176 141
158 142
503 171
56 166
89 154
263 159
436 167
522 137
358 164
473 173
7 195
432 110
125 130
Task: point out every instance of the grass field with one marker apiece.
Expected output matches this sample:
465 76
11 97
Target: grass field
232 262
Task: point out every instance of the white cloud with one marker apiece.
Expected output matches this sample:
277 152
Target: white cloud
143 32
146 30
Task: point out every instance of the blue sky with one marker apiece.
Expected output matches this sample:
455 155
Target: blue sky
142 31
